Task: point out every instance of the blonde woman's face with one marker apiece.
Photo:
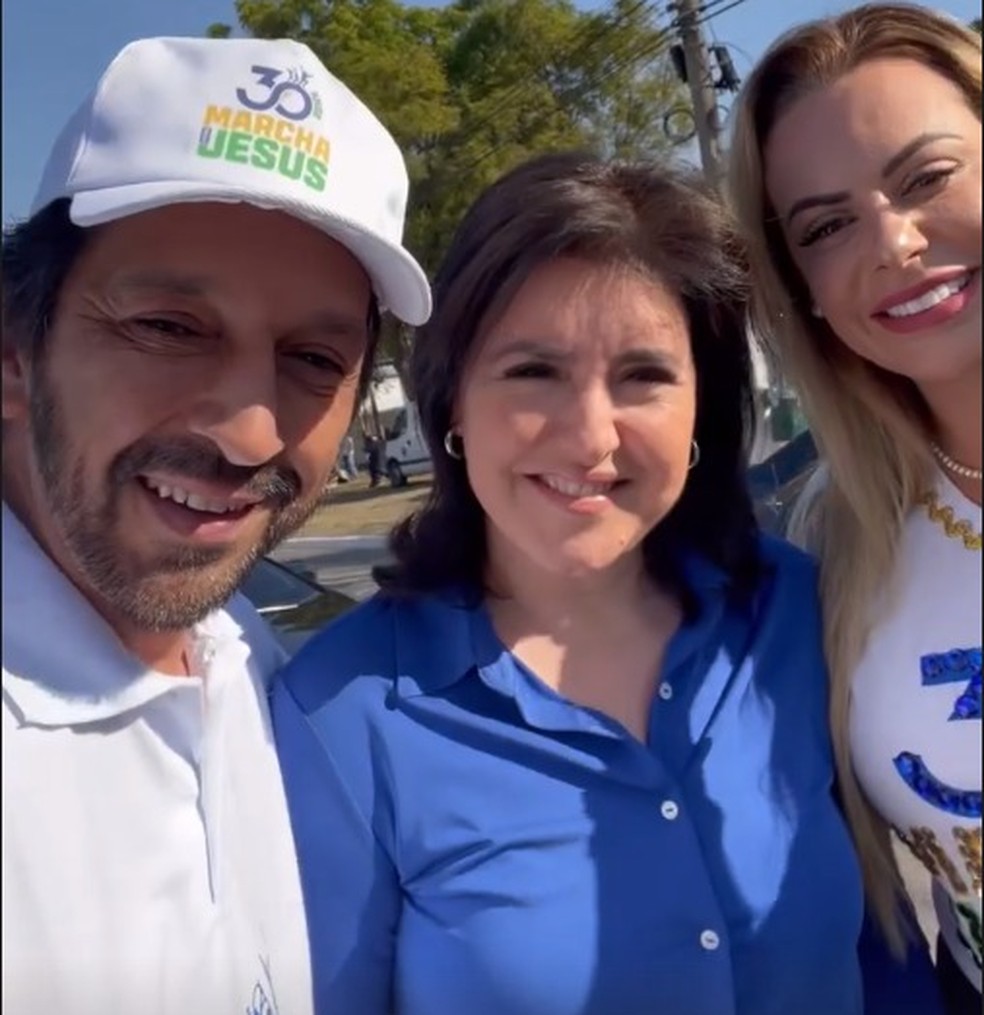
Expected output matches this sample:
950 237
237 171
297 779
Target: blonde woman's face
877 183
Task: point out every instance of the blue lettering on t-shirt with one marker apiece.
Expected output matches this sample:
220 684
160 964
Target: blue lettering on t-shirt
956 666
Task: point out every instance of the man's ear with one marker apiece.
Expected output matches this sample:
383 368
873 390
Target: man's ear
16 386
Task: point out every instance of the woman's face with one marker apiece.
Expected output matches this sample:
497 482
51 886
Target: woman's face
577 415
876 181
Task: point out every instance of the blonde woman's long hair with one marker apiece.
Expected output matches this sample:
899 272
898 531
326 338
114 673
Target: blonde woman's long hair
872 427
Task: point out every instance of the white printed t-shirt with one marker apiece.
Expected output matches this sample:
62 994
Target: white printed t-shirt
148 861
916 712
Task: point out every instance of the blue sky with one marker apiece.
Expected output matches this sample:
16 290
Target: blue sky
55 50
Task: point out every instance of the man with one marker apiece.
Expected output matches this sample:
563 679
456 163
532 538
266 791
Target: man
349 469
188 316
374 456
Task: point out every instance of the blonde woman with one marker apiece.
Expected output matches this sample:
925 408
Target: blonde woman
857 173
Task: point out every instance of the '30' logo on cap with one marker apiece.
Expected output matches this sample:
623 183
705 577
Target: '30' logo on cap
285 94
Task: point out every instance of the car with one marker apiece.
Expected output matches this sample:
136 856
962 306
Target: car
293 603
405 452
776 482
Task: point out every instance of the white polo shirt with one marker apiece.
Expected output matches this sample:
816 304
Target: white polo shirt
148 862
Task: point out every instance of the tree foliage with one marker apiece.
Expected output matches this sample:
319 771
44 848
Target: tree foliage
471 89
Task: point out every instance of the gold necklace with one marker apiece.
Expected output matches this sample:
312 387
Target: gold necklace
944 516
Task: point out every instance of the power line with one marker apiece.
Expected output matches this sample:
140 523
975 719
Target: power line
650 49
583 48
592 35
628 56
712 10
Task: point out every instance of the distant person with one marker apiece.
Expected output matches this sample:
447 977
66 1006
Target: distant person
349 465
374 458
857 173
188 316
573 760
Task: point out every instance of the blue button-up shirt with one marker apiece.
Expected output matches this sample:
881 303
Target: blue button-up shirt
472 842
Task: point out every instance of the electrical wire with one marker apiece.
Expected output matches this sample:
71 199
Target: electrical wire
649 50
708 13
592 35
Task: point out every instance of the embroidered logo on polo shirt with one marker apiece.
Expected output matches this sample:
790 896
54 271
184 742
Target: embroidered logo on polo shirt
263 999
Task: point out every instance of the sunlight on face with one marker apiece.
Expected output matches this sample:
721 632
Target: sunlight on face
577 416
197 381
877 182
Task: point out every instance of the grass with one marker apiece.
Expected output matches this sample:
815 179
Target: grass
356 509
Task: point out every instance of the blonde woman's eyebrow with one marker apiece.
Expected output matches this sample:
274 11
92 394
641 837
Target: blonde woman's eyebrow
906 152
891 166
816 201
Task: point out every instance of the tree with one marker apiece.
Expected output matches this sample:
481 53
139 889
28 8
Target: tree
471 89
976 25
629 83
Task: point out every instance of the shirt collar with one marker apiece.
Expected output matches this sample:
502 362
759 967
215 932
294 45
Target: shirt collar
62 663
427 621
459 623
706 580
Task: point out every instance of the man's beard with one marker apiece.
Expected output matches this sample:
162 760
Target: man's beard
178 587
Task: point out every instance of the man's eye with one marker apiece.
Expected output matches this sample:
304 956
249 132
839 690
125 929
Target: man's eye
530 371
165 326
320 362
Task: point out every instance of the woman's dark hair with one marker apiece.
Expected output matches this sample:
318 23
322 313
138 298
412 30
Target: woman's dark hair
37 256
654 219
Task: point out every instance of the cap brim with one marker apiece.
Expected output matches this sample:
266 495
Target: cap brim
398 281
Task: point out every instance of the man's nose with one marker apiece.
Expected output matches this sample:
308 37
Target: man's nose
238 410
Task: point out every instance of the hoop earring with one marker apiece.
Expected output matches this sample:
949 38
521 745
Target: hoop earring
449 447
694 455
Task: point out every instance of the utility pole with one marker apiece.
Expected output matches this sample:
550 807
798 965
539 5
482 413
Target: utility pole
701 83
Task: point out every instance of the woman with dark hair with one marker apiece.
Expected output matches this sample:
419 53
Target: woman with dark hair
573 758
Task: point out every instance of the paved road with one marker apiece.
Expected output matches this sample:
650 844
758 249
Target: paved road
340 563
345 564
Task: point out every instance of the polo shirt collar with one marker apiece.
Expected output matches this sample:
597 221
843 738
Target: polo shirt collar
62 663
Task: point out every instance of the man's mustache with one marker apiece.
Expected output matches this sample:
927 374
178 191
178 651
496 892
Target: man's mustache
276 485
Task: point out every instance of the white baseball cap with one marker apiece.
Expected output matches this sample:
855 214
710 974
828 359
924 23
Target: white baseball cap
252 120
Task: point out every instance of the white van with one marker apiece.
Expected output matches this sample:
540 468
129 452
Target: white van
406 453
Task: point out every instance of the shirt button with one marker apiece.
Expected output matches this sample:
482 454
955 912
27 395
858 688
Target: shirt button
709 941
669 810
665 691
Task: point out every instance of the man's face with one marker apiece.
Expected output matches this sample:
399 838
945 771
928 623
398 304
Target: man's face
199 374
